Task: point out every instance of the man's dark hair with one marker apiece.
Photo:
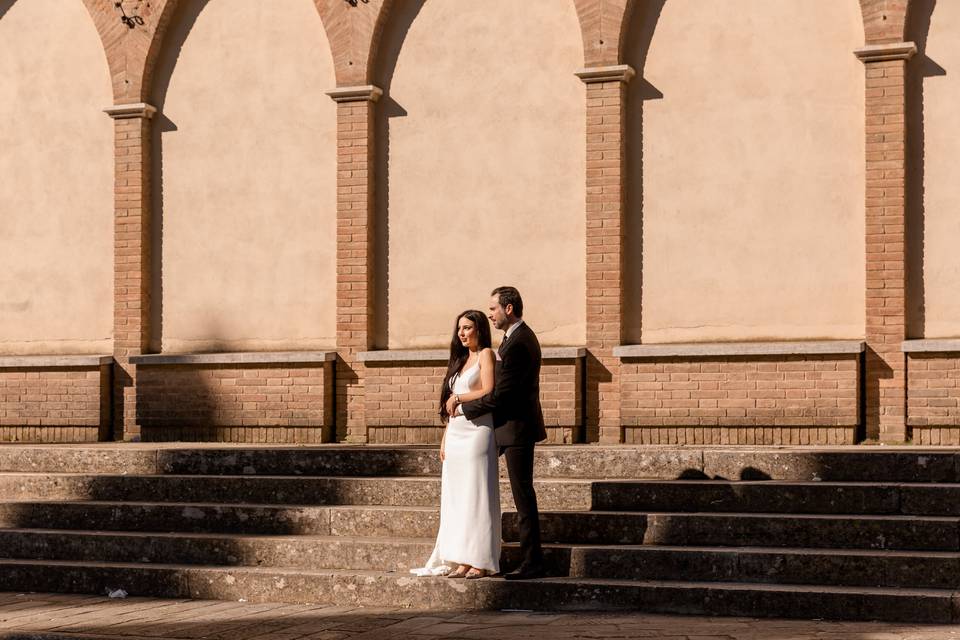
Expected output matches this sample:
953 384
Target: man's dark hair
509 295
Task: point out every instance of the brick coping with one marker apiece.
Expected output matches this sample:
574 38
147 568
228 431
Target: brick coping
246 357
819 347
442 355
49 362
946 345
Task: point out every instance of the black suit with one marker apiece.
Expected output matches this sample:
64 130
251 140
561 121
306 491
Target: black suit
518 425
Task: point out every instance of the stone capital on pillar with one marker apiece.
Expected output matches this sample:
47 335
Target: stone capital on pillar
616 73
886 51
132 110
362 93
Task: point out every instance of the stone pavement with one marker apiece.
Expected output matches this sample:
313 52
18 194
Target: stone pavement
62 617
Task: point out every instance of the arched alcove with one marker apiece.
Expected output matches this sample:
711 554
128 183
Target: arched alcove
933 196
244 163
56 181
746 171
481 174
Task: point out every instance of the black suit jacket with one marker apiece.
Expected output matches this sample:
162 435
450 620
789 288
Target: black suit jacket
515 399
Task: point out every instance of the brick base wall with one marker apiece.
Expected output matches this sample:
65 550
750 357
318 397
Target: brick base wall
741 435
68 404
741 400
236 403
933 398
402 401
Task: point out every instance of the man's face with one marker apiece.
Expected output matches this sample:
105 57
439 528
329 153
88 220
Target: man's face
499 316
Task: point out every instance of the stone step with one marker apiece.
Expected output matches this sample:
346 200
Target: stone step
849 567
940 570
556 494
842 464
302 551
378 521
566 461
309 552
552 494
380 589
68 458
777 497
746 529
601 527
907 464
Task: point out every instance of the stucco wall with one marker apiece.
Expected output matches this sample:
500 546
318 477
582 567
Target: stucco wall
747 210
245 158
56 181
935 157
485 176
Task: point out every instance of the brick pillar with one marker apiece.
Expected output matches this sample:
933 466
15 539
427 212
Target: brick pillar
355 253
886 324
131 258
605 207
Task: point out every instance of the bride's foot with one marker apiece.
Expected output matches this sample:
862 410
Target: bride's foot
460 571
475 574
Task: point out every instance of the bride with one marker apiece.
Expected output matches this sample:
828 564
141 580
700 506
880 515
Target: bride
468 544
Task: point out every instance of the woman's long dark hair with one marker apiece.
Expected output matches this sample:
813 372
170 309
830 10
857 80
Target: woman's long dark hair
459 353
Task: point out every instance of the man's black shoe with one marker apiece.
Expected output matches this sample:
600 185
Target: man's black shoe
526 573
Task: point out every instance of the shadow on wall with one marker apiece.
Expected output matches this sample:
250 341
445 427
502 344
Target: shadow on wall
180 26
595 374
639 36
402 16
180 403
919 69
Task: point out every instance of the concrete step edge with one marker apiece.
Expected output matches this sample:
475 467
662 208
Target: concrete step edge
757 515
572 546
731 586
773 483
203 535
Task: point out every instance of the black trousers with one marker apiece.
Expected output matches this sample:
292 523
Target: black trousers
520 469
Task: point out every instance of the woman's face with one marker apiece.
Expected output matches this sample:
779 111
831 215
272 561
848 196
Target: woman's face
467 332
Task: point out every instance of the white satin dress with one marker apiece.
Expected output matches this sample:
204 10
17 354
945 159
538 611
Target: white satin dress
469 492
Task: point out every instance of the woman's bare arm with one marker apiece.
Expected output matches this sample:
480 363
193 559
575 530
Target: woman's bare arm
487 365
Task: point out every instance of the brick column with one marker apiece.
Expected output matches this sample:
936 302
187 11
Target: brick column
131 257
886 324
355 253
605 207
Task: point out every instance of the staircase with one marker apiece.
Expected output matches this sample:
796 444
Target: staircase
855 533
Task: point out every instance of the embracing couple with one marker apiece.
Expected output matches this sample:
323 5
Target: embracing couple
491 403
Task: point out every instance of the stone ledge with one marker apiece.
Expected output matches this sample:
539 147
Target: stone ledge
887 51
363 93
247 357
134 110
616 73
931 346
824 347
442 355
53 362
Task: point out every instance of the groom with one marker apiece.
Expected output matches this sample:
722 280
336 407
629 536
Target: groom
517 418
